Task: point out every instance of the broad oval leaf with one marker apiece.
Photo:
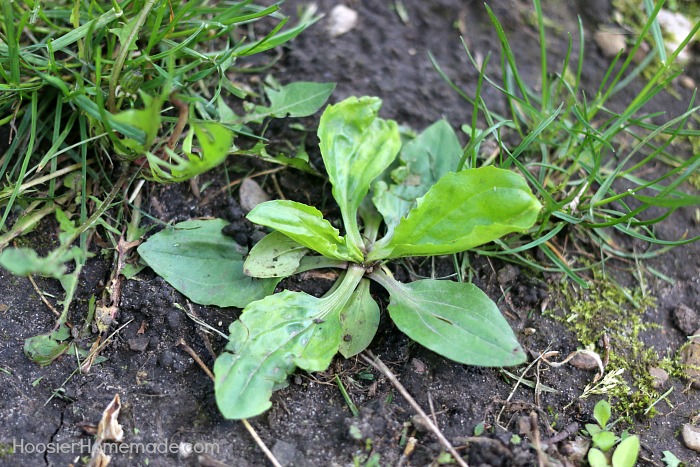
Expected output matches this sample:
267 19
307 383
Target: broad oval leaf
203 264
356 147
456 320
626 452
299 99
273 337
596 458
463 210
424 161
305 225
276 255
359 320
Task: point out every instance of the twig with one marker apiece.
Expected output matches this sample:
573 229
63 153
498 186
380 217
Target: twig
382 368
196 358
261 444
43 298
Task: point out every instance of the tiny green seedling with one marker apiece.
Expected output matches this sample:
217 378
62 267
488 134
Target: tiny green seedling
604 439
439 211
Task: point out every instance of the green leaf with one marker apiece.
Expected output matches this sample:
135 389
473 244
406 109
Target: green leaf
602 412
276 255
360 320
45 348
147 120
203 264
604 440
671 460
596 458
273 336
299 99
305 225
424 161
461 211
215 141
25 261
456 320
356 146
626 452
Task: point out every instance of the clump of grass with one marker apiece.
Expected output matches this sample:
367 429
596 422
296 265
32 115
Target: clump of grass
95 94
591 166
82 85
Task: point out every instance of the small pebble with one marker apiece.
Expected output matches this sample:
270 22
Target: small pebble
659 376
690 358
341 20
685 319
610 42
508 274
418 366
687 82
584 361
138 344
691 437
286 453
251 195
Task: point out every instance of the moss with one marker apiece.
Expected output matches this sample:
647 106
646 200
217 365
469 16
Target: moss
609 312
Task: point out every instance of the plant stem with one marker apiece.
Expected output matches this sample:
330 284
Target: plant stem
123 52
342 294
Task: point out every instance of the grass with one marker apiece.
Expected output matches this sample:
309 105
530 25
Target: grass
74 74
94 95
591 166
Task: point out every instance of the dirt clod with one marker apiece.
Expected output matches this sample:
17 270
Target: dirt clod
685 318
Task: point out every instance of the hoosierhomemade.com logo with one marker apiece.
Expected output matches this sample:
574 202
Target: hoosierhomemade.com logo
85 447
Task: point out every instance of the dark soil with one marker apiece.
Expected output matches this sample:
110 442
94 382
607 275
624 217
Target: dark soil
167 398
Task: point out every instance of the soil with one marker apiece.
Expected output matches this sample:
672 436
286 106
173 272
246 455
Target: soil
166 398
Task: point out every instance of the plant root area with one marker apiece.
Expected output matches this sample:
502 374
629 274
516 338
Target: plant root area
490 416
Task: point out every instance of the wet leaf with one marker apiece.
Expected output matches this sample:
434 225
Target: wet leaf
203 264
305 225
360 320
276 255
456 320
273 337
461 211
357 146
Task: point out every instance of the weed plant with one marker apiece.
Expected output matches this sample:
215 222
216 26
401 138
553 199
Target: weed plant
594 169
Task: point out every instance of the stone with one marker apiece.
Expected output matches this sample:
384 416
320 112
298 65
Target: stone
341 20
659 376
138 344
508 274
286 453
251 194
685 319
691 437
610 42
690 358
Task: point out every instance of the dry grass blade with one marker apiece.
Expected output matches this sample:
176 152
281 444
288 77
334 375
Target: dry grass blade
382 368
